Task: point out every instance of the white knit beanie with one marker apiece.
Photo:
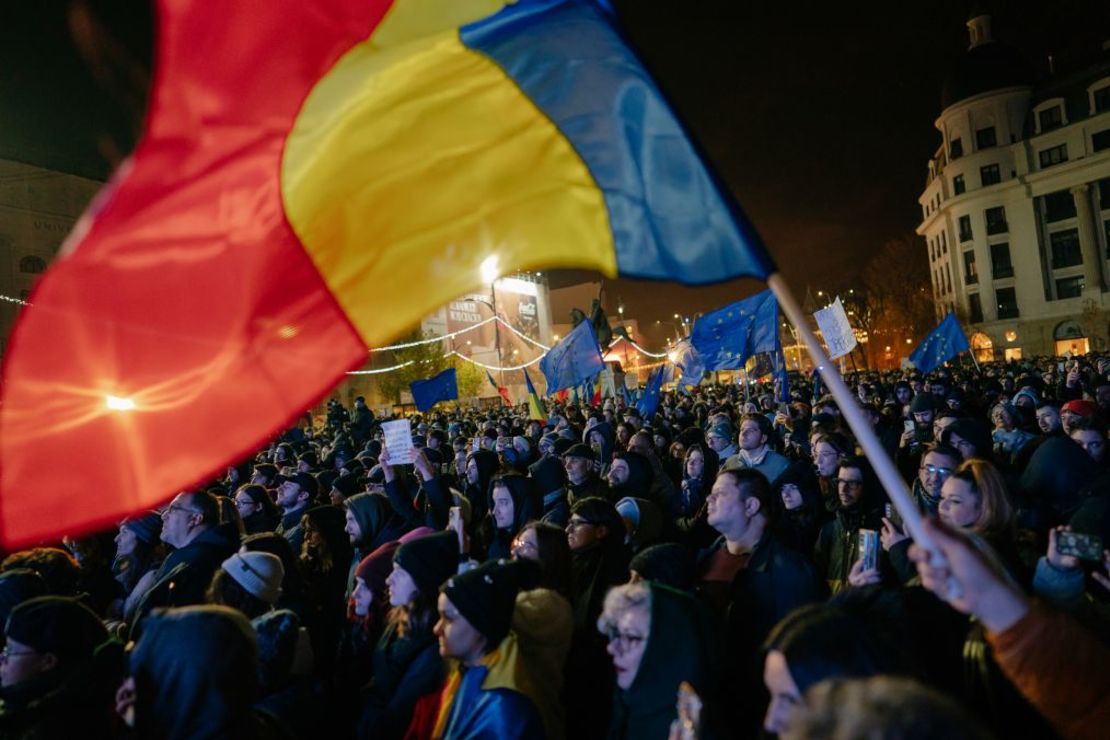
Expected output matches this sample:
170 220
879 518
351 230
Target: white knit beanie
259 573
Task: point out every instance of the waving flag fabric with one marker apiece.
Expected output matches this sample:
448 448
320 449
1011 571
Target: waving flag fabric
535 405
430 391
501 390
727 337
942 344
313 178
687 359
573 360
650 401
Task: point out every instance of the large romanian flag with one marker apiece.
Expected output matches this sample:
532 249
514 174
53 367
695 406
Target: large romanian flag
314 176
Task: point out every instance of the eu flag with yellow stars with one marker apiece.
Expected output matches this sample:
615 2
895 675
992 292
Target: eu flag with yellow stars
727 337
942 344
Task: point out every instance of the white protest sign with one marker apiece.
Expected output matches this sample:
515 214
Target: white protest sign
837 332
398 440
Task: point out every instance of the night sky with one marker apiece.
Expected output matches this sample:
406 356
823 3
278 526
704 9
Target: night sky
819 119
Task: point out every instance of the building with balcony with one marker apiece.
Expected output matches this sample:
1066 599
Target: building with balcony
1016 207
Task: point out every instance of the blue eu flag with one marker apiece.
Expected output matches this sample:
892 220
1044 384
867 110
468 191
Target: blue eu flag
443 387
942 344
574 359
727 337
650 400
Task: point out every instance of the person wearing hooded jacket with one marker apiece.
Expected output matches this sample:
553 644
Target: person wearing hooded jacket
194 675
513 502
370 523
798 506
325 557
686 515
658 638
481 466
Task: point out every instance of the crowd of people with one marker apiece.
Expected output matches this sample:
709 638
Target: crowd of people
730 567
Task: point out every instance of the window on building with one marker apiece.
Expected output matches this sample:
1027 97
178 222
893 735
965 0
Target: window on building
1102 99
976 308
1001 267
958 186
947 280
1059 206
1100 140
985 138
996 220
971 277
1104 194
943 243
1065 249
965 228
990 175
32 264
955 149
1106 230
1053 156
1051 118
1007 303
1070 287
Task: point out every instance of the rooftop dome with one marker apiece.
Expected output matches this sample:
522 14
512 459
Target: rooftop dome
987 65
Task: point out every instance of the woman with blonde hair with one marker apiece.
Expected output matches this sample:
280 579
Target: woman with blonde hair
975 498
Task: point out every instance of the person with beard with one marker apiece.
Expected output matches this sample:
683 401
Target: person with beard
922 409
325 557
513 502
629 475
799 512
257 510
370 522
860 507
599 561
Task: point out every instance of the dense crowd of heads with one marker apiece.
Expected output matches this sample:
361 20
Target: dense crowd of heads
730 567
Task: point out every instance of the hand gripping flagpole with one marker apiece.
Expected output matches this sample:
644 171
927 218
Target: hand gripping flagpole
849 408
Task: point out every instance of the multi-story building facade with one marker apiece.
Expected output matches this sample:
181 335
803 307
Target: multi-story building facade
1016 209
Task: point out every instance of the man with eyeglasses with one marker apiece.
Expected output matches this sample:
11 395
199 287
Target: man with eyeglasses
939 462
190 525
51 685
837 546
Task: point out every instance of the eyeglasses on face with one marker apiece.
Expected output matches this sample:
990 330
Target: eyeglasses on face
178 507
7 653
576 523
523 545
623 640
937 469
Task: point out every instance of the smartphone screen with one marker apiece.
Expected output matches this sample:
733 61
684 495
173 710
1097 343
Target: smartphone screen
909 425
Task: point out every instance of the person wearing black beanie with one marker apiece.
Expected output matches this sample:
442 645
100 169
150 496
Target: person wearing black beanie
482 696
406 661
51 682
